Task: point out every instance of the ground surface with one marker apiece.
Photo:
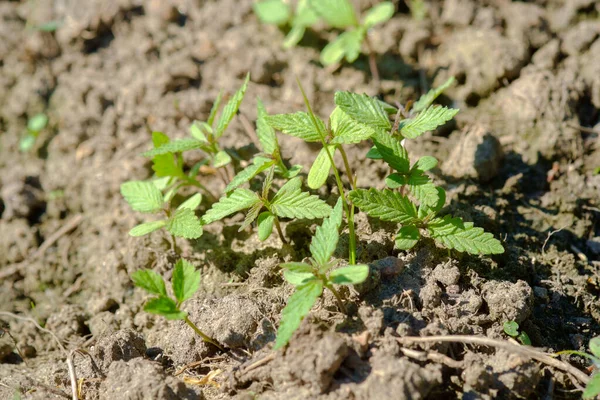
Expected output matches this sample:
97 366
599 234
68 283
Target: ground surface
514 162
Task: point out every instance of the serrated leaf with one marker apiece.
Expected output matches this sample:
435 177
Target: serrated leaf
427 99
164 165
421 187
185 280
595 346
162 183
379 14
325 240
251 215
425 163
159 138
197 129
298 124
267 183
427 120
407 237
37 122
175 146
337 13
231 108
298 306
214 109
150 281
385 205
350 275
265 225
346 130
146 228
320 169
274 12
184 223
297 273
363 109
238 200
392 151
347 45
294 203
166 307
221 159
142 196
266 134
592 389
245 175
291 186
289 173
192 203
453 233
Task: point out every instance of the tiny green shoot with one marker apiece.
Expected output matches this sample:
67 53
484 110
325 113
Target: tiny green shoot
511 328
184 282
279 12
311 278
35 125
592 389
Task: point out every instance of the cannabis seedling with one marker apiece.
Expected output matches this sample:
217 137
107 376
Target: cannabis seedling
311 278
511 328
592 389
34 126
146 197
185 282
279 12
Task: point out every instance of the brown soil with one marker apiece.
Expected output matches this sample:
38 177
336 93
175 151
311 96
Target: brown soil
515 162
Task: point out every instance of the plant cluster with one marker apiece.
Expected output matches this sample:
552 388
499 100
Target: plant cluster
410 199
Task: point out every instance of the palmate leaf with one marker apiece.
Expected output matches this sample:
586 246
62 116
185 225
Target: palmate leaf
185 280
231 108
378 14
337 13
266 134
346 130
166 307
347 45
453 233
427 120
184 223
419 185
392 151
290 186
363 109
238 200
150 281
385 205
298 306
298 124
175 146
408 236
425 163
297 273
221 159
294 203
427 99
142 196
259 165
146 228
319 171
326 236
349 275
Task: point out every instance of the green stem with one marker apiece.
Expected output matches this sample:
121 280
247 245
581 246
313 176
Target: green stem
350 214
204 336
338 298
279 231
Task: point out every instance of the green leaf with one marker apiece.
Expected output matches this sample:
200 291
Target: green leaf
294 36
185 280
166 307
374 154
333 52
274 12
150 281
350 275
392 151
422 188
175 146
37 122
298 306
142 196
196 130
238 200
251 215
326 236
346 130
592 389
231 108
385 205
221 159
408 236
213 110
265 225
595 346
266 134
427 99
427 120
291 186
453 233
320 169
379 14
298 124
305 15
164 165
146 228
294 203
184 223
363 109
347 45
245 175
27 141
425 163
297 273
511 328
289 173
337 13
524 339
192 203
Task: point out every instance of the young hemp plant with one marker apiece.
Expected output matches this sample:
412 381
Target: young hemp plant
340 14
311 278
592 389
185 282
279 12
35 125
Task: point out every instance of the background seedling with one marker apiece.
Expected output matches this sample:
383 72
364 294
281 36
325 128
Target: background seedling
310 278
511 328
35 125
185 282
592 389
279 12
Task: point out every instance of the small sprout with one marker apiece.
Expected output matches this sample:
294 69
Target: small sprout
35 125
511 328
279 12
592 389
311 278
185 282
